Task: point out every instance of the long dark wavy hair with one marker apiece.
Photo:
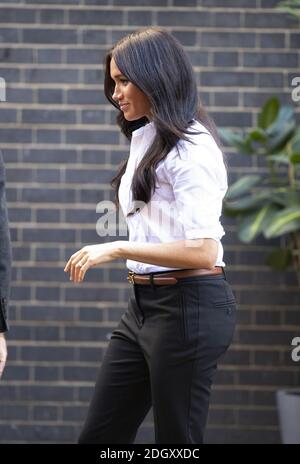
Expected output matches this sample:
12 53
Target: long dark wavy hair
154 61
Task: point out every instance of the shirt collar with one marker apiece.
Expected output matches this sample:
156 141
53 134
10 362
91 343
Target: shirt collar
147 127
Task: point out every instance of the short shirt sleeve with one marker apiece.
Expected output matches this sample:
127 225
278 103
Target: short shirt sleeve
199 182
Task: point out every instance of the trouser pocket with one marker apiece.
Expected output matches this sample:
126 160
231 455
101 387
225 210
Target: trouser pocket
188 314
208 311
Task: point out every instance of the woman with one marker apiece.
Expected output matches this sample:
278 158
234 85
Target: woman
181 310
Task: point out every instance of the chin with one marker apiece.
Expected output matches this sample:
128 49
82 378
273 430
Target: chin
129 117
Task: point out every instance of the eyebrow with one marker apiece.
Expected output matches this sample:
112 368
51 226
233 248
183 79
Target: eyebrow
118 75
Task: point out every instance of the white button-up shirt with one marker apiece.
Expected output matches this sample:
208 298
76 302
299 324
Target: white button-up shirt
187 202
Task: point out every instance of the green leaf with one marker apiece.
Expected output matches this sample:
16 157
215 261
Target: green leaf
248 203
291 11
285 221
286 197
291 3
242 186
246 147
236 139
231 137
278 141
254 223
269 113
295 158
258 135
281 130
279 259
290 6
279 158
294 143
285 114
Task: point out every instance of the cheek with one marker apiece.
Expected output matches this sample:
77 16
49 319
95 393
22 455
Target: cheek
140 99
144 102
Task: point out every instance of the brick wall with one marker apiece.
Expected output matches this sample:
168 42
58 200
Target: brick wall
61 148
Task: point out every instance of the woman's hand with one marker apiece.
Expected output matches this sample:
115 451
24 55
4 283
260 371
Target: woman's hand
89 256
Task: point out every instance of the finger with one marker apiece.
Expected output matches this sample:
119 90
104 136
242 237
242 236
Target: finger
85 265
67 266
83 270
76 266
73 264
69 263
77 271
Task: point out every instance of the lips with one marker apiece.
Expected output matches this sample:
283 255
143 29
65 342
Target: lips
123 106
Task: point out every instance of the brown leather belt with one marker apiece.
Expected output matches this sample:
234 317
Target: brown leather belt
170 278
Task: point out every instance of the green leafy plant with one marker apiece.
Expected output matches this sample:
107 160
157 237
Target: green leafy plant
269 204
290 6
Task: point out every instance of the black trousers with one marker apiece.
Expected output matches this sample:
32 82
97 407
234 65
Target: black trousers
164 354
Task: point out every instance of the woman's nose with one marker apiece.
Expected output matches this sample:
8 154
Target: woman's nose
116 95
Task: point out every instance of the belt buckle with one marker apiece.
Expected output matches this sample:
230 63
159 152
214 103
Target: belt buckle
130 277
